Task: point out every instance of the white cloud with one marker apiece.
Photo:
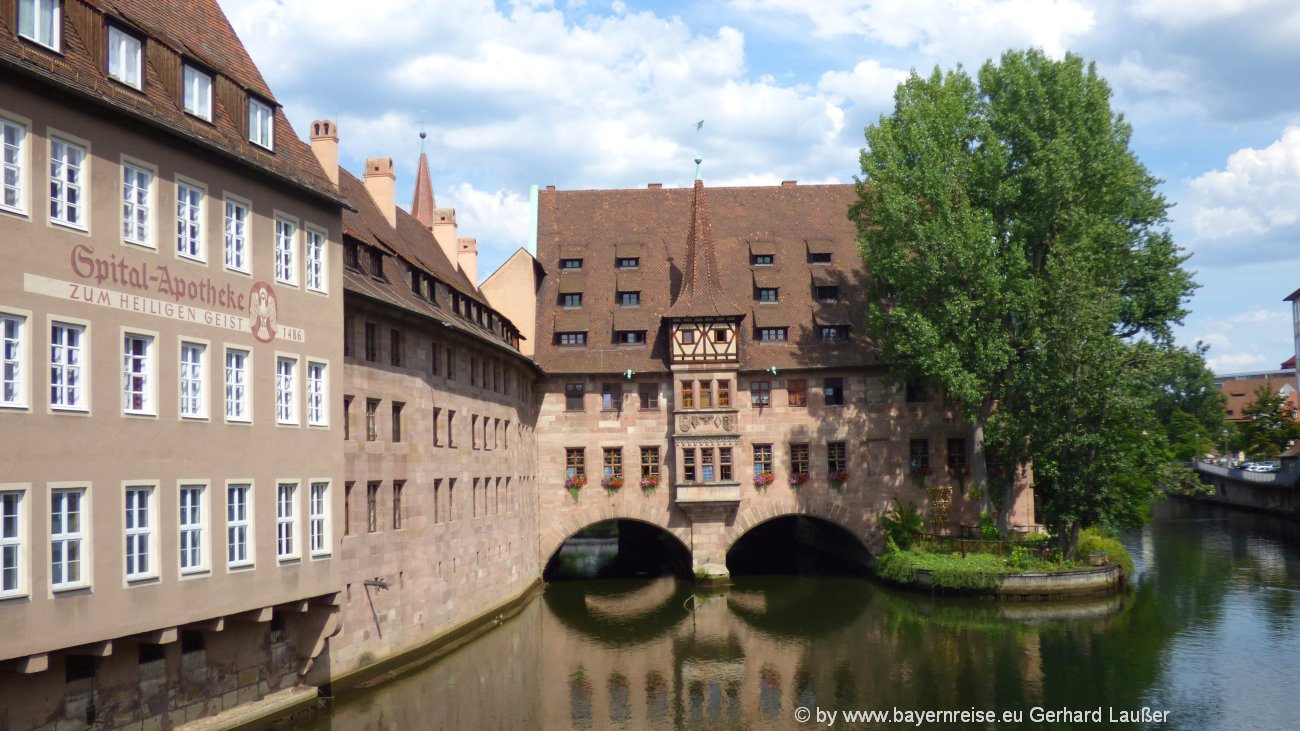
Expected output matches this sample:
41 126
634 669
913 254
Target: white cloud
1235 362
498 219
964 29
1181 13
1254 195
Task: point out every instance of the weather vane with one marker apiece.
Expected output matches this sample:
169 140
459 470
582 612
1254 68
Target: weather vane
698 158
422 134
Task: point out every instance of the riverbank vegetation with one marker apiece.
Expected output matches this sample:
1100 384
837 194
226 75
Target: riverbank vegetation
980 565
1023 269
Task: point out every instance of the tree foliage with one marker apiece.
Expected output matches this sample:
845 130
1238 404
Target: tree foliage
1022 263
1271 425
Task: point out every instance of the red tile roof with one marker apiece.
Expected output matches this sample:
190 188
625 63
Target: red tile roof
654 225
1240 393
174 30
410 243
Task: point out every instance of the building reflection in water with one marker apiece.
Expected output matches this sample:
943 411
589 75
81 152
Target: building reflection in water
658 654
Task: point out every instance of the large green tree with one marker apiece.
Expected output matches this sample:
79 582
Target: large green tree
1271 424
1021 262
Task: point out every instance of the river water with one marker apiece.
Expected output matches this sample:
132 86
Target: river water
1209 634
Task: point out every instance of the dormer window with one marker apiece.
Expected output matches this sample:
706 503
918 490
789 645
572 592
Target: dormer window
828 293
629 299
628 262
123 57
760 260
377 265
571 300
40 21
767 294
831 333
415 282
261 122
351 256
823 257
571 264
198 93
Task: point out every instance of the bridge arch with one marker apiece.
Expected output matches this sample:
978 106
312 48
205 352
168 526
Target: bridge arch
862 524
575 520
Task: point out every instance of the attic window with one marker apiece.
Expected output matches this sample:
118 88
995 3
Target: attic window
351 256
832 333
819 258
261 123
415 281
760 260
198 93
629 262
571 264
828 293
39 21
123 57
377 265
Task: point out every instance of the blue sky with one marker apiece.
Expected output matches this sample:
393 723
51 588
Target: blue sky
588 94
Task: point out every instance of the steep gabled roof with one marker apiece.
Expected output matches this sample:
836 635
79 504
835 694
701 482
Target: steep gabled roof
174 31
422 202
701 293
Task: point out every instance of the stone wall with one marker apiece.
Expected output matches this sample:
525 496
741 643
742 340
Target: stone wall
467 539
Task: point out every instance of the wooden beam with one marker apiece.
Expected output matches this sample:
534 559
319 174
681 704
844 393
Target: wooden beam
161 636
33 663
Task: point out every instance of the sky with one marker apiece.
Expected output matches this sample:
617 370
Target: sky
592 94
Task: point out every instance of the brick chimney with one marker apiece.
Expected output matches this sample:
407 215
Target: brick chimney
381 184
325 144
467 258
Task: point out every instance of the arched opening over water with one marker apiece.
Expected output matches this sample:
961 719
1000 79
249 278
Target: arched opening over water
619 549
798 544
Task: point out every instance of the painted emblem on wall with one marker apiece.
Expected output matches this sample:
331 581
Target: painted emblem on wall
261 312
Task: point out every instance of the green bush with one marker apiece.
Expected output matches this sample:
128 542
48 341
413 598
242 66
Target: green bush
1092 540
1035 538
968 578
988 527
902 523
896 566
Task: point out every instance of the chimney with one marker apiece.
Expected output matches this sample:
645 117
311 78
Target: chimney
444 232
655 186
467 258
325 144
789 183
381 184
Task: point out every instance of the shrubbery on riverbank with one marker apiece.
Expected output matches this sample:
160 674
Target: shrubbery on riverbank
984 571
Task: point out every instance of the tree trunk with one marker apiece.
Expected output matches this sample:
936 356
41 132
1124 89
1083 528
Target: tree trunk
1004 510
1069 540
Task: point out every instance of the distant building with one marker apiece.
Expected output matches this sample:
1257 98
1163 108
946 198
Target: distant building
1240 388
171 304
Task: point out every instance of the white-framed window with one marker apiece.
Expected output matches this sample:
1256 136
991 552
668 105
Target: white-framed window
39 21
319 511
194 401
236 236
189 221
123 57
284 245
286 401
198 93
13 195
239 521
316 392
261 122
237 385
13 360
191 521
286 521
136 186
66 357
67 536
13 561
139 533
315 260
66 201
137 374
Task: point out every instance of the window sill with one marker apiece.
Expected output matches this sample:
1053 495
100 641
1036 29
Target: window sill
14 211
286 282
198 116
142 580
69 225
140 414
287 560
293 424
195 573
238 420
195 417
70 409
15 407
236 270
188 257
245 566
140 244
321 556
65 588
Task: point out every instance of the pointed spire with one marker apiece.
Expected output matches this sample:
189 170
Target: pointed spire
422 203
701 290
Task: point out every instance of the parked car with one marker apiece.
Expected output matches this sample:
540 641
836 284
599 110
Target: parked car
1263 467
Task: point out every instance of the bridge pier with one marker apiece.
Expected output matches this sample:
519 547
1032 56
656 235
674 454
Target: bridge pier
709 540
